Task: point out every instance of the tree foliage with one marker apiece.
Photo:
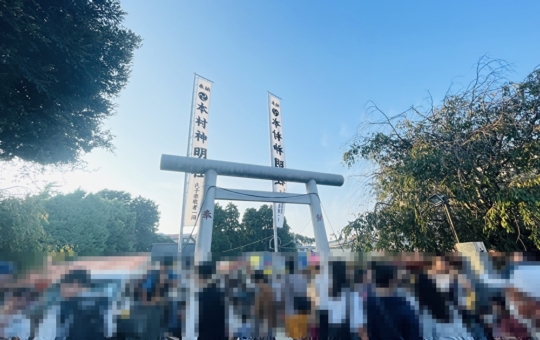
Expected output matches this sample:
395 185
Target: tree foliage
303 240
61 64
253 234
143 229
107 223
21 224
480 147
146 223
80 221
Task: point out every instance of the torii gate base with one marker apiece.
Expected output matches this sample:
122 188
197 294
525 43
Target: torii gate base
211 169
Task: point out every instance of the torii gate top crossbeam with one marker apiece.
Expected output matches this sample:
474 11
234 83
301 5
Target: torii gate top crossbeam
199 166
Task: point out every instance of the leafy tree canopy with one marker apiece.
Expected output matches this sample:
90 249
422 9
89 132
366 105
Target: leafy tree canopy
145 218
480 148
107 223
253 234
61 64
21 224
80 221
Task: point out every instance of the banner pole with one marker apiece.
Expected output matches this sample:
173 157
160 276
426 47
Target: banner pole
186 175
274 225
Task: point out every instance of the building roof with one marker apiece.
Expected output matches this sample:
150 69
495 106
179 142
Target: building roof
174 237
161 250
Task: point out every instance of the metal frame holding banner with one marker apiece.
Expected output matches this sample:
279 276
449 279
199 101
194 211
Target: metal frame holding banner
197 147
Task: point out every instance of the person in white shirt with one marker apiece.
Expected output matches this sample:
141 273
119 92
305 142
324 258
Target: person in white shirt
357 305
338 299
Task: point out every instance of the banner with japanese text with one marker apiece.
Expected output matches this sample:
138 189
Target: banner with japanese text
277 153
199 148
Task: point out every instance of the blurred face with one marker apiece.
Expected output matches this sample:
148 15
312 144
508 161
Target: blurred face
440 266
526 306
70 289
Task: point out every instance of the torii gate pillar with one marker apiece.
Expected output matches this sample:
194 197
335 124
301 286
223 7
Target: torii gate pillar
321 240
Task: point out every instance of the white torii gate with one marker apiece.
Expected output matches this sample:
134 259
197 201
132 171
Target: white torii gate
211 169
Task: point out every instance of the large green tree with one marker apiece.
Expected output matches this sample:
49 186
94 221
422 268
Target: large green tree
480 148
79 221
230 237
61 64
146 216
227 233
258 225
106 223
146 223
21 224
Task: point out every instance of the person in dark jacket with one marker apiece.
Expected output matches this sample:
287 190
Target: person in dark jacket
212 317
82 316
389 316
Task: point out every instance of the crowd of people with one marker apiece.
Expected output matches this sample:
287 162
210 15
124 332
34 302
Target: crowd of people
298 296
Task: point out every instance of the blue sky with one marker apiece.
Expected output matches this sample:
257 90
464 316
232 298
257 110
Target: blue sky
326 60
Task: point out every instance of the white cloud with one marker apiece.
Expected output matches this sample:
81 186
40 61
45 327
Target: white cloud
344 131
324 140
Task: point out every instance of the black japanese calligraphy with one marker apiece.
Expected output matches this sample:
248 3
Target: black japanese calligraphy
278 163
278 148
200 122
202 108
195 207
201 136
319 217
195 201
275 112
275 122
200 152
203 96
277 135
207 88
206 214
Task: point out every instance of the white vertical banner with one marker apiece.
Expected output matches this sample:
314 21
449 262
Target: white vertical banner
277 153
199 147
